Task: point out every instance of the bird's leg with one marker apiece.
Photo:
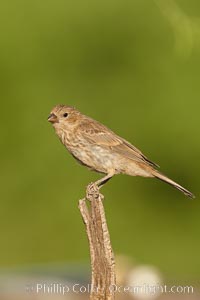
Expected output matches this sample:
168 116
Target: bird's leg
93 188
103 180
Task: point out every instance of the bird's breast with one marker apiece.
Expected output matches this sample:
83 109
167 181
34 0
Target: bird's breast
98 158
94 156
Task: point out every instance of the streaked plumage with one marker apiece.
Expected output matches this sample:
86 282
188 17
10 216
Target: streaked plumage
100 149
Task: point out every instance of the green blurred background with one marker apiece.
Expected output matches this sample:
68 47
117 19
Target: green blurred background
132 65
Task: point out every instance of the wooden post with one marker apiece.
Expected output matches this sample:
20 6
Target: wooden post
101 254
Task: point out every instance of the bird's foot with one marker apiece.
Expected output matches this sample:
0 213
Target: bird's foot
92 191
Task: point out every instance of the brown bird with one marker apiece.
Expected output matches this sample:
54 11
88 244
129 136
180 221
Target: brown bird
100 149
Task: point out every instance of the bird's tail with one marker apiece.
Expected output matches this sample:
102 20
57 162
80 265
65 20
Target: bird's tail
164 178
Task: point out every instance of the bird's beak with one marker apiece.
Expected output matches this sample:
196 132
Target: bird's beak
52 118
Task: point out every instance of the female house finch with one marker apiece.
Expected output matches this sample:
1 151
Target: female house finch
100 149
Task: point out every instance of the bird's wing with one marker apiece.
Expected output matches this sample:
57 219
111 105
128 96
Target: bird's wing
98 134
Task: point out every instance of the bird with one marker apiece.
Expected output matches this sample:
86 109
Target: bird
98 148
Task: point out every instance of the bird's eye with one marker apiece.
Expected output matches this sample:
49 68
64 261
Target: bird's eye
65 115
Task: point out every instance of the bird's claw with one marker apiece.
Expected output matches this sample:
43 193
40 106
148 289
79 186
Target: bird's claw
92 192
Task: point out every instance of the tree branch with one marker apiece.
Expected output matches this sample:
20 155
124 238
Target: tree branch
101 254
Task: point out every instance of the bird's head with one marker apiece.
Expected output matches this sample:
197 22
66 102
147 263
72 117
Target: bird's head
62 115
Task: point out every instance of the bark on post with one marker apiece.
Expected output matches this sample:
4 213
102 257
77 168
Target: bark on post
101 254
